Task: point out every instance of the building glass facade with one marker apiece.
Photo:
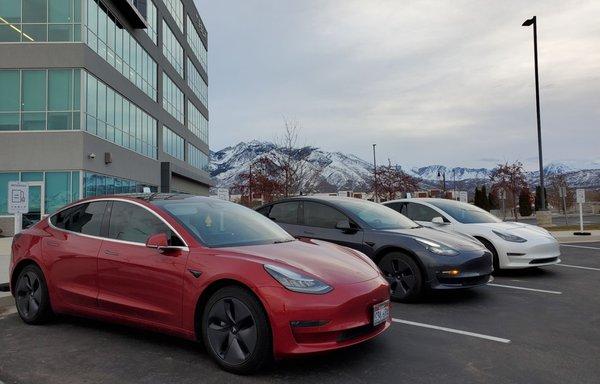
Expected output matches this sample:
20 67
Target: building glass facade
31 21
40 99
67 87
173 99
172 49
196 82
60 188
152 19
111 41
196 158
175 8
197 123
95 184
112 117
196 43
173 144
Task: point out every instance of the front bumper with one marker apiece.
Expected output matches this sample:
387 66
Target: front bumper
465 270
305 324
531 255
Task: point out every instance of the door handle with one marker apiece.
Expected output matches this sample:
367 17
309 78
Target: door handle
111 253
52 243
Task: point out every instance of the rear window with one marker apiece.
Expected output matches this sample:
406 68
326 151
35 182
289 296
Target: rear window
83 218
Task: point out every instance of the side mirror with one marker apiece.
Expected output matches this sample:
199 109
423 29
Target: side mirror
159 241
438 220
344 226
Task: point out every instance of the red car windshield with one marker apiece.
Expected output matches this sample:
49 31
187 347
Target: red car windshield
216 223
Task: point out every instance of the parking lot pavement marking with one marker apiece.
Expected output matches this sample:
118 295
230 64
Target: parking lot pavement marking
452 330
525 289
578 266
579 246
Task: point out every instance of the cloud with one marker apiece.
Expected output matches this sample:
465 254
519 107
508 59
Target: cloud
428 81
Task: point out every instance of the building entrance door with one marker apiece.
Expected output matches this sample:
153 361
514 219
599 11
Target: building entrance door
36 204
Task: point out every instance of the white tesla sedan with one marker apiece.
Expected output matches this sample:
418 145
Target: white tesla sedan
514 245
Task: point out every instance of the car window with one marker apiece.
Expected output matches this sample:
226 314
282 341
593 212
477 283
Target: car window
398 207
83 218
286 213
321 215
420 212
129 222
264 210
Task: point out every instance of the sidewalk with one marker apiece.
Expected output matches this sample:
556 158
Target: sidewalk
569 237
5 243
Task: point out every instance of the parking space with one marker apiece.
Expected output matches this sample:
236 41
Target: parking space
494 334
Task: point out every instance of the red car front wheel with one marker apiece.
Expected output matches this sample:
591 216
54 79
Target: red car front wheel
235 330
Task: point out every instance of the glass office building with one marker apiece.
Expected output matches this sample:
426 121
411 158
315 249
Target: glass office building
101 97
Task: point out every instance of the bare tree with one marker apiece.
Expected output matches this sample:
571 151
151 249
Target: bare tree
299 174
390 181
262 178
558 181
511 179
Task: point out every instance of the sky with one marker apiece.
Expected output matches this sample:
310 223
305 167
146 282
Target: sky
429 82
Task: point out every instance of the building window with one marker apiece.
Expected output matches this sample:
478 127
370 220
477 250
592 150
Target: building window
196 82
173 144
36 100
173 99
112 117
197 123
40 20
60 189
196 43
175 8
152 19
109 39
95 184
197 158
172 49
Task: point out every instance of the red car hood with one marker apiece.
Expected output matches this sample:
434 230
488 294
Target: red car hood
328 262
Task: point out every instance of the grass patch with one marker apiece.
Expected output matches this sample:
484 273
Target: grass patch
575 227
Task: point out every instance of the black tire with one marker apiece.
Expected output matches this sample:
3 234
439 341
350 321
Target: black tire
31 296
490 247
404 275
235 331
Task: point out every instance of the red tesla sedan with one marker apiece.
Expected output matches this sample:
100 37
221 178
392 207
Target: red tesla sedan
202 269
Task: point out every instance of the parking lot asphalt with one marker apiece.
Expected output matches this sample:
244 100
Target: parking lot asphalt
534 326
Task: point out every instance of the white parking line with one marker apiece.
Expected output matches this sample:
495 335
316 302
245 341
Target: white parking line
451 330
525 289
580 246
578 266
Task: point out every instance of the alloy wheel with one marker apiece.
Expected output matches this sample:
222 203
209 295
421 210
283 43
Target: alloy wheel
232 331
29 295
400 275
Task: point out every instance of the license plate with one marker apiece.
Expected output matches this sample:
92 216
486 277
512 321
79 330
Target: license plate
381 312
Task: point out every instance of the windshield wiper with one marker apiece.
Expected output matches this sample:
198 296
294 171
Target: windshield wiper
283 241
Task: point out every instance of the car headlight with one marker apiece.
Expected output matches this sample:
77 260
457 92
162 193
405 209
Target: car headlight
437 248
297 282
509 237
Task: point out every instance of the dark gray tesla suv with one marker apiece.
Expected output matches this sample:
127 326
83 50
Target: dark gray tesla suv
411 257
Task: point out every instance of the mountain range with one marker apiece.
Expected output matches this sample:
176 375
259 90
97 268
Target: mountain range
342 171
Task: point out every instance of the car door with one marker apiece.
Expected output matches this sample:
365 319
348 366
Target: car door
71 252
134 280
319 222
286 215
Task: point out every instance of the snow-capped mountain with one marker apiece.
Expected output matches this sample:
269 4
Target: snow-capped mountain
341 171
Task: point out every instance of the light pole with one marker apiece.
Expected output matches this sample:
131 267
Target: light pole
527 23
374 175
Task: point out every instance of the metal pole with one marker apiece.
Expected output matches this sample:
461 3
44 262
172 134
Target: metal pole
375 197
580 217
250 187
18 223
564 198
539 124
